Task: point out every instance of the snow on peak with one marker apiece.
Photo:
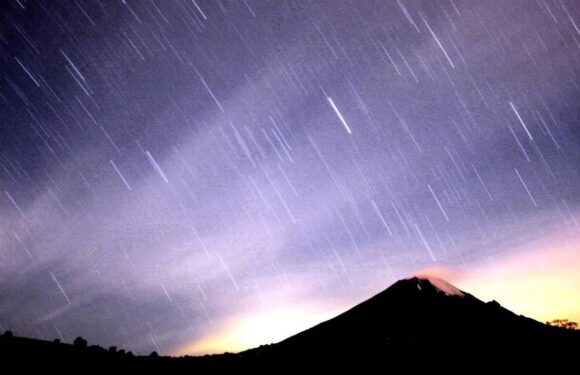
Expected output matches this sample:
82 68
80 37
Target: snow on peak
442 286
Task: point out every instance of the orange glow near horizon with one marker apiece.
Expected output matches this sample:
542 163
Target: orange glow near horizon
256 329
542 285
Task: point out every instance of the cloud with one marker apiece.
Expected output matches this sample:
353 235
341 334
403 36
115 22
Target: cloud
235 189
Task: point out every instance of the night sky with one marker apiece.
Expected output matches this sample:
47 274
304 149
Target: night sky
171 170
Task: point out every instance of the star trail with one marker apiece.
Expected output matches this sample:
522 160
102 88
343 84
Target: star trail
169 168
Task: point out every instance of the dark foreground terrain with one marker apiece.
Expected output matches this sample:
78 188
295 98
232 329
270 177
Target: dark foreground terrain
416 323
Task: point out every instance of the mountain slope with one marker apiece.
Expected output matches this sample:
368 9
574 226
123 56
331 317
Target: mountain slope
417 322
428 316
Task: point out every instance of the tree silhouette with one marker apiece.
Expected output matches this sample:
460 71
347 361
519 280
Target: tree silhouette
563 323
8 334
80 342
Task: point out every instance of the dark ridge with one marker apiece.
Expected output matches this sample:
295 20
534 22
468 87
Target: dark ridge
417 322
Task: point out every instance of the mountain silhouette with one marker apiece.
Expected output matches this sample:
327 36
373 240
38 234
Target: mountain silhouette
429 315
417 322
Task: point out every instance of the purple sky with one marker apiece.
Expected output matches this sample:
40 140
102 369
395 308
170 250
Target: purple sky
167 166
